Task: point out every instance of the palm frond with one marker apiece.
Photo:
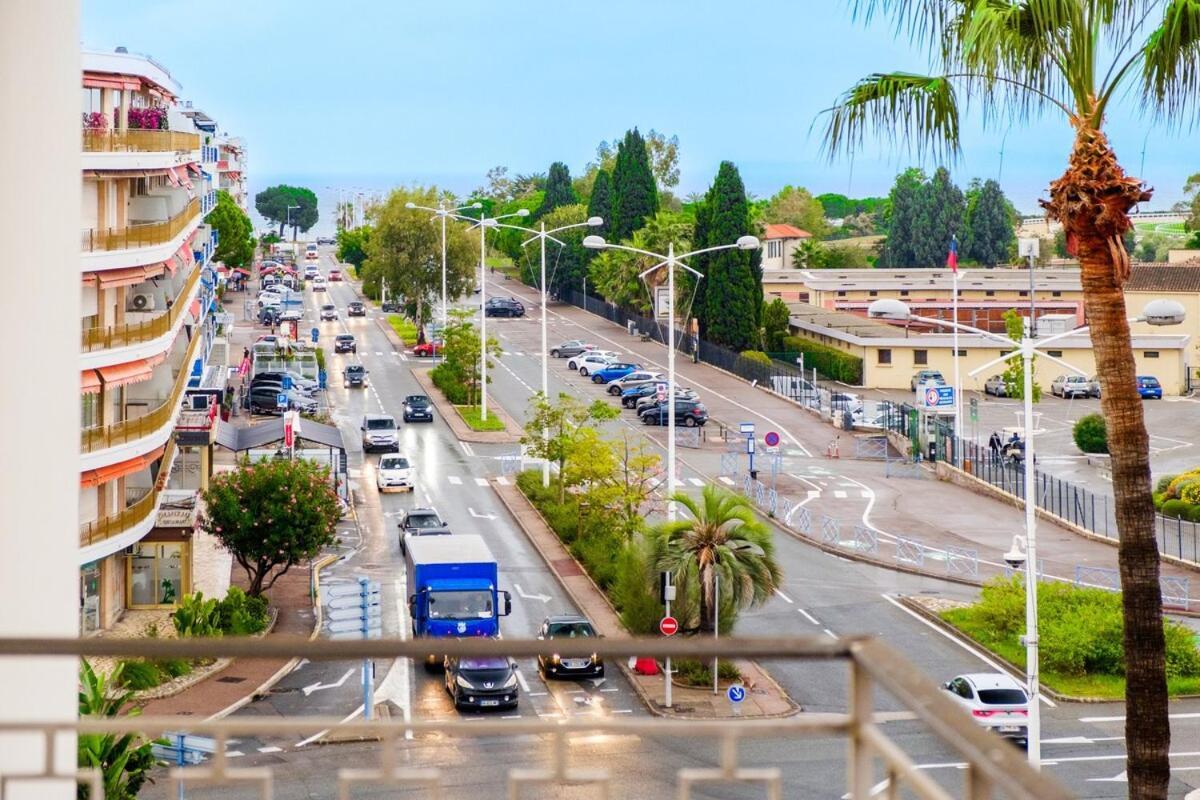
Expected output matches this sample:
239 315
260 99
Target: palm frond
1171 63
919 111
924 21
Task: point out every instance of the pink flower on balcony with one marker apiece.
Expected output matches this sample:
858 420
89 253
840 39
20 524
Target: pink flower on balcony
94 120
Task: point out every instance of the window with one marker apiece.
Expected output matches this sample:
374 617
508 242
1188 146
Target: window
1054 353
1056 294
884 356
841 294
1023 293
962 353
89 418
989 293
156 574
872 293
904 292
1151 354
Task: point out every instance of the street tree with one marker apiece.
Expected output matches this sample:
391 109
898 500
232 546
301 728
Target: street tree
271 515
632 484
273 204
635 194
732 296
559 191
794 205
460 375
940 212
775 319
235 234
988 234
663 152
600 202
566 264
499 187
1070 58
352 245
614 273
720 536
555 430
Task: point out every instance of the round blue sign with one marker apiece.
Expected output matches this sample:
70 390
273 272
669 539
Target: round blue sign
771 439
736 693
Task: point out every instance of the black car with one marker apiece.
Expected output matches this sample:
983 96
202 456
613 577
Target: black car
344 343
569 626
355 308
269 316
504 307
417 408
264 399
354 376
481 682
647 403
391 308
687 412
421 522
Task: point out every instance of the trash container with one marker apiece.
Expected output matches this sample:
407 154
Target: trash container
631 326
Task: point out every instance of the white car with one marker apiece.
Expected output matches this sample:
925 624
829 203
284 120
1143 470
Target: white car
592 363
291 315
577 361
394 472
269 298
318 284
996 701
329 311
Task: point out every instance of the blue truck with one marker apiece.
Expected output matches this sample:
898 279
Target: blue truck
452 582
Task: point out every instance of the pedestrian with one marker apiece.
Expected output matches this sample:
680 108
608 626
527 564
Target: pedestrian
994 445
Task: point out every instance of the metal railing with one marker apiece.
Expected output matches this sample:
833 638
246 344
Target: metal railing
136 140
991 767
109 336
130 430
106 527
150 233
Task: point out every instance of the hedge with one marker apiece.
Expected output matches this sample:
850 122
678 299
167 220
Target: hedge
757 356
829 361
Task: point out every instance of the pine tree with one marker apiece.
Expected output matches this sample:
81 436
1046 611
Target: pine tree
941 208
635 194
732 293
903 202
989 229
559 191
600 203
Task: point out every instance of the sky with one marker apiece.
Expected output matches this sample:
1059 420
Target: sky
375 93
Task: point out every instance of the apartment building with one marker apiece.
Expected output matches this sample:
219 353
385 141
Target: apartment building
152 358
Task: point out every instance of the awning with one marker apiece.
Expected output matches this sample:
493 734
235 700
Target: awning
244 272
129 372
194 168
110 472
173 177
89 382
111 82
126 276
123 173
194 310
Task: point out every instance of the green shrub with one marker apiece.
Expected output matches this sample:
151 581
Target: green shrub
1177 483
1158 498
173 667
692 672
1176 509
446 378
829 361
633 591
138 675
196 616
1163 483
242 615
757 356
1090 434
1190 493
1194 514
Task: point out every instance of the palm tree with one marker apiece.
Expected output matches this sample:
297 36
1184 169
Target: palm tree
723 538
1020 58
124 761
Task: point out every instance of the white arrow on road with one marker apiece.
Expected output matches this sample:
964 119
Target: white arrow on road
316 687
545 598
477 515
598 682
1120 777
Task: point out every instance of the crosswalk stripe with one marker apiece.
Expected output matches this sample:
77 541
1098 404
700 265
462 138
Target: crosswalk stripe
814 493
503 481
726 480
839 494
481 481
271 749
454 479
696 481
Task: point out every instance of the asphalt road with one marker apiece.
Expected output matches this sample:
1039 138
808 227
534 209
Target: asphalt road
821 593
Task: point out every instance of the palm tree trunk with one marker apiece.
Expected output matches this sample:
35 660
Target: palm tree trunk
1092 200
707 573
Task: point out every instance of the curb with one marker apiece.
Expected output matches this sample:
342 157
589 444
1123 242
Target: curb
511 434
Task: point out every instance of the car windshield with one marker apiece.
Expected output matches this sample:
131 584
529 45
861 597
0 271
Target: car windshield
393 462
1002 697
328 307
571 630
417 400
354 369
422 521
345 337
473 604
381 424
1148 381
483 663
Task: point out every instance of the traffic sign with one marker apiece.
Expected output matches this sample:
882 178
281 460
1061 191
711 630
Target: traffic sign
316 334
747 429
356 625
771 439
736 693
350 589
281 400
936 396
354 612
974 409
668 626
353 601
660 391
287 382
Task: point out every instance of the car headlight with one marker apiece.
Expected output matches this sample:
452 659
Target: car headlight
511 682
554 658
463 682
408 409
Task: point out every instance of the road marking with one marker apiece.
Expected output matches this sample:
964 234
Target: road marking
454 480
481 482
537 694
521 680
726 480
545 598
233 753
1122 719
784 596
318 686
378 353
864 494
829 633
696 481
270 749
808 616
839 494
621 711
477 515
813 494
501 480
466 448
973 651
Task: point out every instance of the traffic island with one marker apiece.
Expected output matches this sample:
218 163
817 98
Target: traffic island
511 434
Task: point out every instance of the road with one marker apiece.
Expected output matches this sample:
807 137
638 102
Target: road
821 594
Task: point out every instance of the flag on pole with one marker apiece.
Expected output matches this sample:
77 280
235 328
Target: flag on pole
952 257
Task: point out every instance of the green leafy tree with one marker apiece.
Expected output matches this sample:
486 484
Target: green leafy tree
905 207
554 431
272 203
559 191
235 234
600 202
271 515
352 245
775 318
631 484
1090 434
794 205
939 219
818 255
1014 371
614 273
1191 193
462 364
732 299
125 760
635 193
566 265
838 206
989 234
720 537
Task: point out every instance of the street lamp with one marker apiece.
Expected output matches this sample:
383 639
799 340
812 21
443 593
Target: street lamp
1024 548
670 261
443 213
289 222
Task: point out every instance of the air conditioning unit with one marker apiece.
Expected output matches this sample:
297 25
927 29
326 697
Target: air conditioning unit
200 402
142 301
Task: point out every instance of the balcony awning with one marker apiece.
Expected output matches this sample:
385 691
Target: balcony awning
89 382
127 373
194 168
124 173
126 276
110 472
194 310
173 177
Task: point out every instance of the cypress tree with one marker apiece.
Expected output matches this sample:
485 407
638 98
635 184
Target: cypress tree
559 191
940 216
989 230
600 203
904 201
635 193
732 293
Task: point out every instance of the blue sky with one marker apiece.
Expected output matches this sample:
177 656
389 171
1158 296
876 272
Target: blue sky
372 93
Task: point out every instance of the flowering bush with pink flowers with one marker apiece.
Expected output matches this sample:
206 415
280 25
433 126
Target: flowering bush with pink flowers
94 121
150 119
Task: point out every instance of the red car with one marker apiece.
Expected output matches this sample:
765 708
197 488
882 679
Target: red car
427 350
335 274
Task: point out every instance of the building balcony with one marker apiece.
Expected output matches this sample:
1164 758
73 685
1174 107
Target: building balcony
140 235
103 140
137 515
113 336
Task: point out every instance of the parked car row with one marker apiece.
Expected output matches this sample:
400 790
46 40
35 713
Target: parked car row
1072 386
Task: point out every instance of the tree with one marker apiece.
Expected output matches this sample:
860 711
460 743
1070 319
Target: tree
235 234
462 364
1090 434
989 228
271 515
819 255
498 188
939 219
1191 193
732 296
555 431
1014 371
793 205
614 273
273 204
566 265
632 484
662 150
900 250
722 538
838 206
600 203
635 195
124 761
559 191
775 321
1068 57
352 245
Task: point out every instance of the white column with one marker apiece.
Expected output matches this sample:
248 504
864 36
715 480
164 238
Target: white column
445 304
40 196
483 316
545 357
671 488
1031 576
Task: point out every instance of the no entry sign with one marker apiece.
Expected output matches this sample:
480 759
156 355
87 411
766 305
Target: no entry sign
668 626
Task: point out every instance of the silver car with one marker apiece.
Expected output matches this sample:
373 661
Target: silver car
995 701
996 385
1071 386
571 347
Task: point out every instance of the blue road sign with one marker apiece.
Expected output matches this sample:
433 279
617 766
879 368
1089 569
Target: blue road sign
316 334
281 400
322 378
736 693
287 382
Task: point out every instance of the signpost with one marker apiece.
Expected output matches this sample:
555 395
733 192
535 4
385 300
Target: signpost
316 334
771 439
281 400
356 612
736 694
668 626
184 750
660 392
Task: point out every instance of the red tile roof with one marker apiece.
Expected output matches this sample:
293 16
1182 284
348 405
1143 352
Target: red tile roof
1172 278
780 231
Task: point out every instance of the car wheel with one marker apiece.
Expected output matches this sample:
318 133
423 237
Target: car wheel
689 422
646 419
583 371
595 379
554 354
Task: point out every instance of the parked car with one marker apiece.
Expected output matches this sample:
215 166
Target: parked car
417 408
421 522
651 400
390 308
1071 386
504 307
335 274
927 376
995 701
1094 386
329 312
263 398
269 298
846 401
635 394
291 315
394 472
354 376
1149 388
489 682
344 343
569 626
269 315
379 433
355 308
318 284
637 378
690 413
996 385
427 349
573 363
612 372
571 347
306 385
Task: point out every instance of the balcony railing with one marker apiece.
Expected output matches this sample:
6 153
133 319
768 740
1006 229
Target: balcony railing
106 527
138 141
139 235
133 429
133 333
991 767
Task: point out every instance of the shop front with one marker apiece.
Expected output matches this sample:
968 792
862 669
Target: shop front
158 571
89 598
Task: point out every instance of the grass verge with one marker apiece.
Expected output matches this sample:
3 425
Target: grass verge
404 328
470 415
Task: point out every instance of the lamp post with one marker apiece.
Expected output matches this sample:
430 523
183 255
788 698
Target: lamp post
670 261
443 213
1024 548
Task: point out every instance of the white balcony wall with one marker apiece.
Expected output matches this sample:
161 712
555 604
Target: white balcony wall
90 204
149 208
88 306
87 505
